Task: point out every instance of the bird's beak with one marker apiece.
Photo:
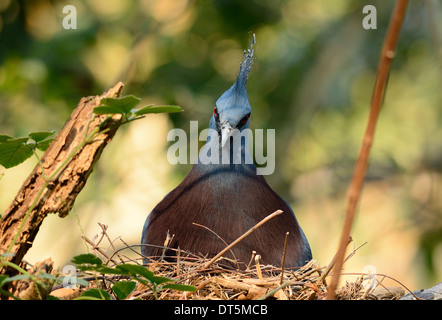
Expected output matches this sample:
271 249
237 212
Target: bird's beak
226 132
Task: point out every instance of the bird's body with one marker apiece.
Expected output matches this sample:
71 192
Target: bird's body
219 201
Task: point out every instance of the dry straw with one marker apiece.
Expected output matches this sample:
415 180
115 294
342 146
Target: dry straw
215 281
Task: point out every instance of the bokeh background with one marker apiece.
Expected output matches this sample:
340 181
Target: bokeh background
312 82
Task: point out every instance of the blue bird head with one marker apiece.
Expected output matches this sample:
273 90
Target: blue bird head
232 110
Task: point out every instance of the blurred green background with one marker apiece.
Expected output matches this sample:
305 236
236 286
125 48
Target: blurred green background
312 81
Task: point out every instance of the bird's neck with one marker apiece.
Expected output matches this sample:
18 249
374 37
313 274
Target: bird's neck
233 154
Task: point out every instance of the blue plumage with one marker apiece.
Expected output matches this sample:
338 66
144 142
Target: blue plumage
226 196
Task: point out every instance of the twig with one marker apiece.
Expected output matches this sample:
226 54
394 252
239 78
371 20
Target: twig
272 292
128 247
234 243
282 286
251 259
389 277
219 237
98 249
354 251
386 58
283 256
258 267
104 232
332 263
166 244
199 287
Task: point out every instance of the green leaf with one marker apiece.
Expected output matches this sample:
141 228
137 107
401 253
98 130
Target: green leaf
160 280
40 136
4 138
82 282
77 281
16 277
95 294
180 287
124 104
3 278
123 289
18 140
109 270
87 259
134 269
158 109
14 151
107 110
48 276
44 145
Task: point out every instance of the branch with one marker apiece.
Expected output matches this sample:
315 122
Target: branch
67 162
234 243
386 58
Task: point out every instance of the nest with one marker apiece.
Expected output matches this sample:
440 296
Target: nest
217 282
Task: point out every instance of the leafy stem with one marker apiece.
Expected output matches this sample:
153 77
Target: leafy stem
87 139
14 151
23 272
125 106
122 289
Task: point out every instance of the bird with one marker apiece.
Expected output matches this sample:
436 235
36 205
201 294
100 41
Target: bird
218 201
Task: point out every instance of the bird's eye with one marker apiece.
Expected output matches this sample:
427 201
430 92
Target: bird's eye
215 112
244 120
